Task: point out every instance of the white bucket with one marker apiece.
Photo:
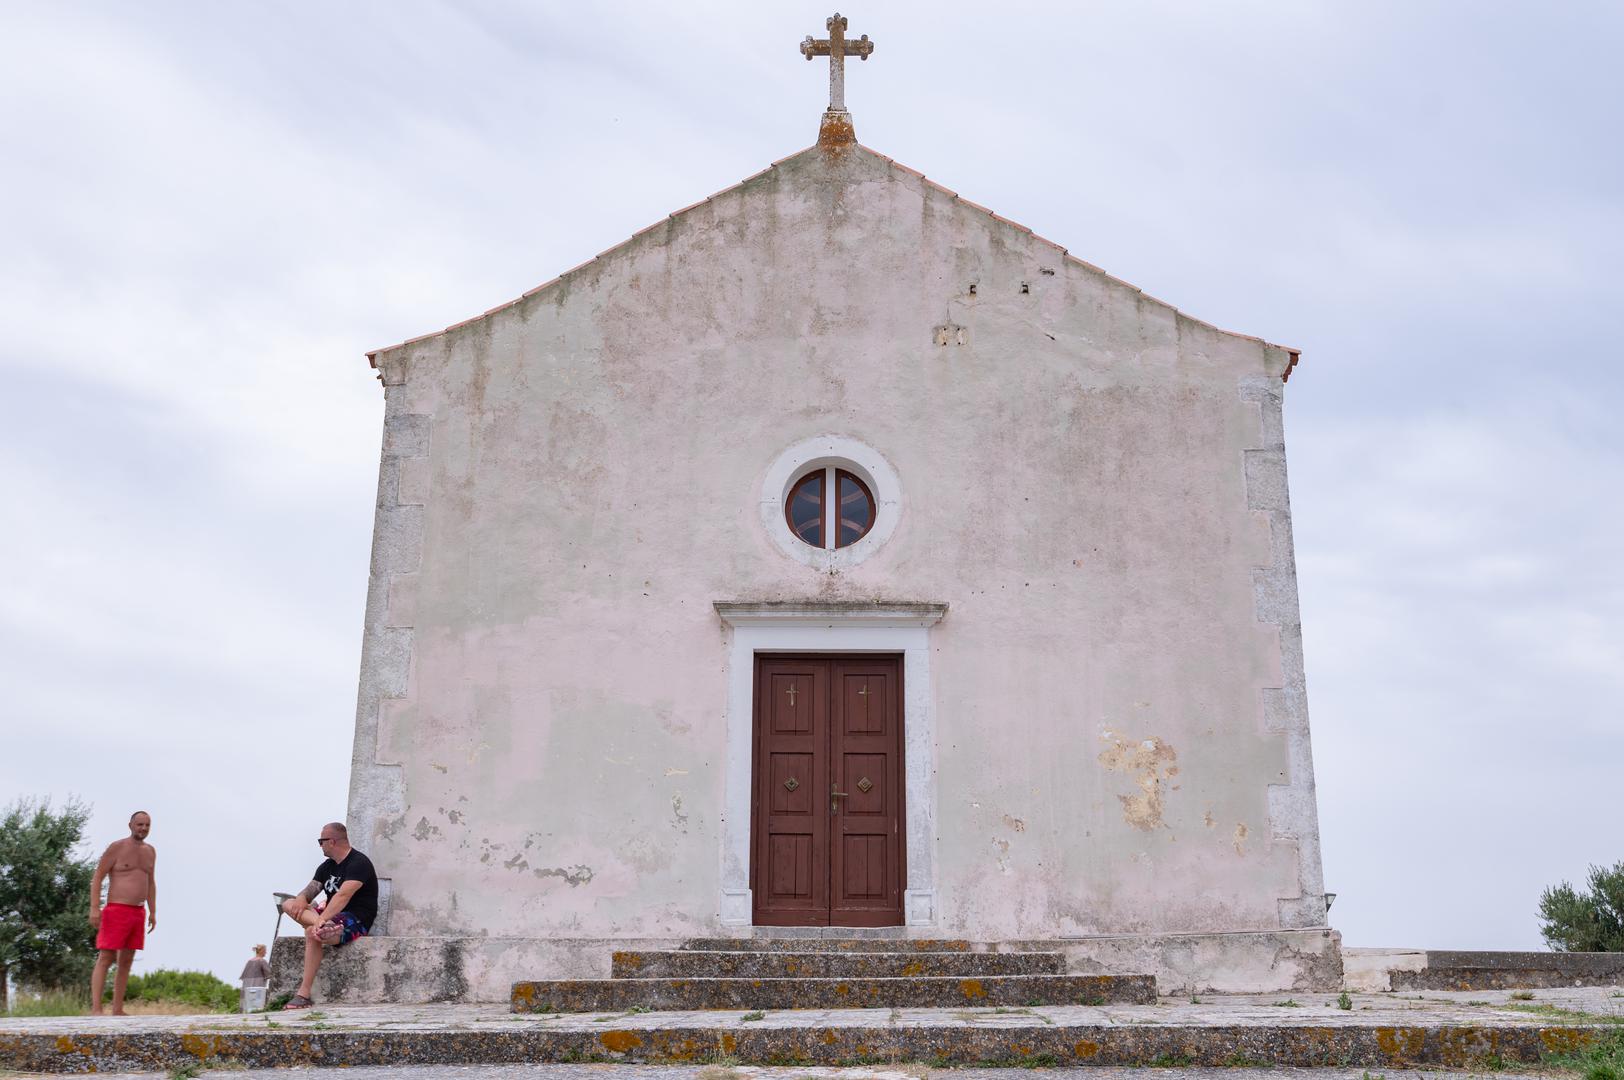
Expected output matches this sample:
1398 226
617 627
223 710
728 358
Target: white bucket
253 998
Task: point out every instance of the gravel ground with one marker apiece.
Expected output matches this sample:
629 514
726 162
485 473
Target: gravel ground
750 1072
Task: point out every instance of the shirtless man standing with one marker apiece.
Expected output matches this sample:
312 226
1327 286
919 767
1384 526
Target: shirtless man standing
128 866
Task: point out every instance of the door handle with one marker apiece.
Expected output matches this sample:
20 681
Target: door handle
835 793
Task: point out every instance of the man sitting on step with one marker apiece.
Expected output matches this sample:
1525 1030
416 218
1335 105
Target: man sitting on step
348 887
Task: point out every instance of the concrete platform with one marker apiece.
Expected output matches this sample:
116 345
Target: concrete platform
1484 1030
1450 969
418 969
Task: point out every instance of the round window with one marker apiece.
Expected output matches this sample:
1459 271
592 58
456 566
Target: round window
830 502
829 508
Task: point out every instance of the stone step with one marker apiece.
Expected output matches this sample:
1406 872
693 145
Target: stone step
1379 1035
689 964
841 944
613 995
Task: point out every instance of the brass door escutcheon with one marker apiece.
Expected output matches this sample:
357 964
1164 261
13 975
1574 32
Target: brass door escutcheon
792 783
865 785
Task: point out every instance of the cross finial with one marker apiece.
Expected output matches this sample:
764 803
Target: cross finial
837 121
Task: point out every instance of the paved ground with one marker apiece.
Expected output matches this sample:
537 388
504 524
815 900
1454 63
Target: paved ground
1572 1005
1303 1016
749 1072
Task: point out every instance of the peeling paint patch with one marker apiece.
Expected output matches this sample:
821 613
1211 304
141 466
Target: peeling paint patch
1149 762
1240 838
1015 823
518 862
575 875
677 815
1208 820
424 830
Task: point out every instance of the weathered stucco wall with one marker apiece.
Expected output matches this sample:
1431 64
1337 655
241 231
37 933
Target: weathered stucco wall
1092 482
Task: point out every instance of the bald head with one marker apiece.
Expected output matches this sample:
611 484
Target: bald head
335 840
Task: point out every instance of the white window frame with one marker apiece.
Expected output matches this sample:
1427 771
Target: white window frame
830 452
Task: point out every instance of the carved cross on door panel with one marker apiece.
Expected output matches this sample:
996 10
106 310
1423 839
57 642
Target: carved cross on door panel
791 693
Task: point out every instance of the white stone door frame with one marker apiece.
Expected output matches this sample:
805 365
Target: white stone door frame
831 628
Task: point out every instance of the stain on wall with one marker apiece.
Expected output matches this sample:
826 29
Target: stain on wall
1148 762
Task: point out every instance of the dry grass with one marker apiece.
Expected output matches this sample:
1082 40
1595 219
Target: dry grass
166 1008
718 1072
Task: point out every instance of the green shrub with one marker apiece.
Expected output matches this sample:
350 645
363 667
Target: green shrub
1591 921
198 988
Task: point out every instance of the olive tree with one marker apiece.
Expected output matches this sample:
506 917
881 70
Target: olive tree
1589 921
46 940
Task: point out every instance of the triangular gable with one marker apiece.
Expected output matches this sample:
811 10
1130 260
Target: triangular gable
896 166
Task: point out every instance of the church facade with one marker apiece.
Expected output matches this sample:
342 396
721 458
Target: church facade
833 554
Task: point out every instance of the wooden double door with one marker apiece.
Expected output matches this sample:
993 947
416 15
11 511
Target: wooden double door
827 792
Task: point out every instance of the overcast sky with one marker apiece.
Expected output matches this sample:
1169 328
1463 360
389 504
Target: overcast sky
209 211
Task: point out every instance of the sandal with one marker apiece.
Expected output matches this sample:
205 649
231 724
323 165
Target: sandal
297 1001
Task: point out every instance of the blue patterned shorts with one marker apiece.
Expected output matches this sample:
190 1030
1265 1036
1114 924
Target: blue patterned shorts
342 929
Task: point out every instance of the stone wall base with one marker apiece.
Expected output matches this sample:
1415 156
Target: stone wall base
1238 962
470 969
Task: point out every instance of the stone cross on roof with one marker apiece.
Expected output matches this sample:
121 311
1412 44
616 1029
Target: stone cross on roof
837 121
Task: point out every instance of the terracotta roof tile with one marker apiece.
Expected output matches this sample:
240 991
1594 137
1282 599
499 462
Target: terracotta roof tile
553 281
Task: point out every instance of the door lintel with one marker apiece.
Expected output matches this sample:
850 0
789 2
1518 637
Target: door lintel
832 614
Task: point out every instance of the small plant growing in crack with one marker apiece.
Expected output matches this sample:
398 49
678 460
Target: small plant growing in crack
1171 1061
1239 1060
1288 1004
752 1016
1344 1001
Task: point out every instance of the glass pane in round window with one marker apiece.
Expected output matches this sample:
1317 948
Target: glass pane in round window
805 509
856 509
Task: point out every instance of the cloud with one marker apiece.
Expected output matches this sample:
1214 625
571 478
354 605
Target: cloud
214 210
1463 612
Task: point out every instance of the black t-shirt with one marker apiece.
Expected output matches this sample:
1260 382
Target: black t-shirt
355 867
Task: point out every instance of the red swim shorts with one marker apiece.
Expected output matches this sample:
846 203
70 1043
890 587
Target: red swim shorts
123 926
